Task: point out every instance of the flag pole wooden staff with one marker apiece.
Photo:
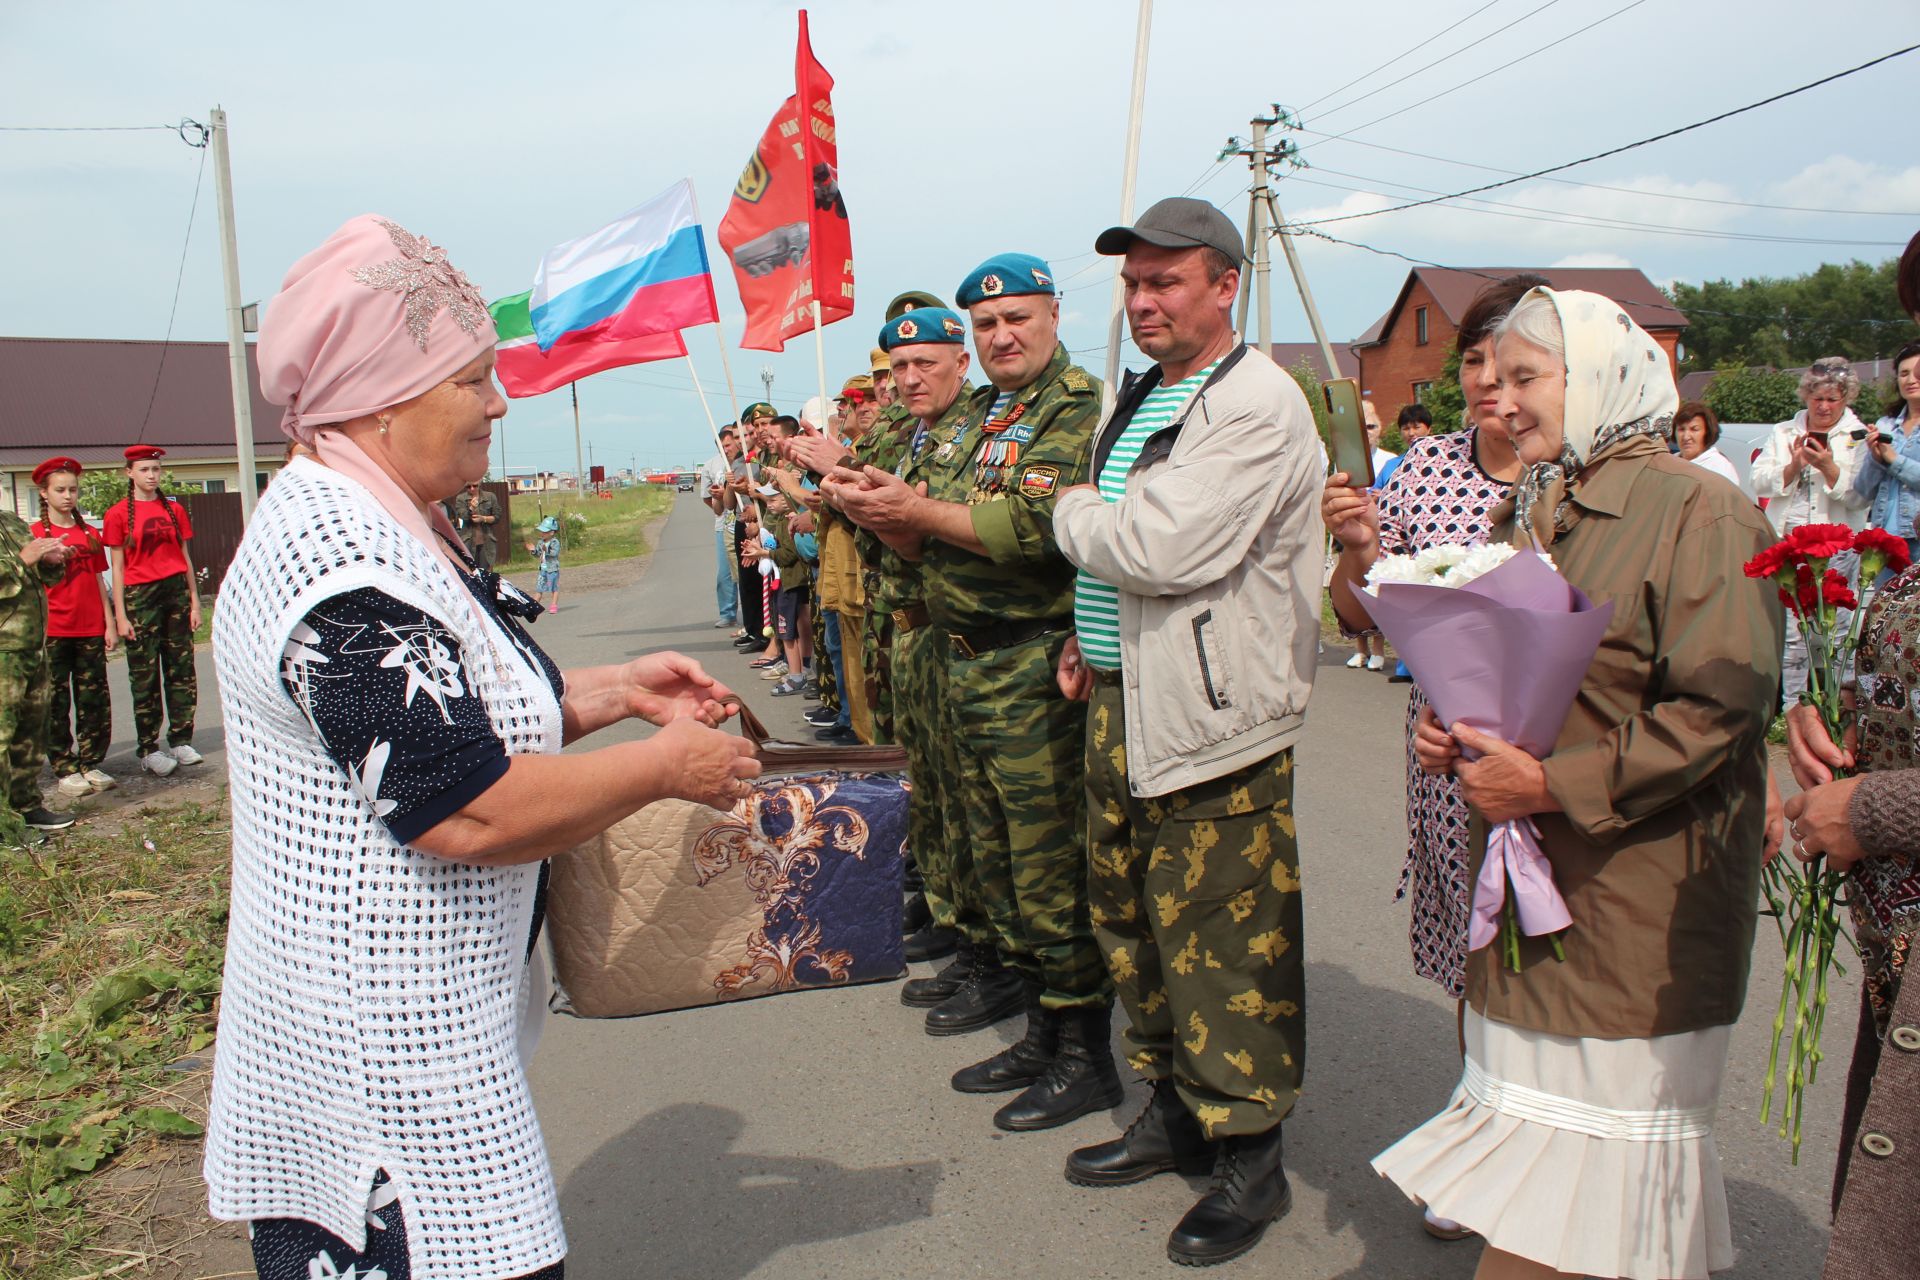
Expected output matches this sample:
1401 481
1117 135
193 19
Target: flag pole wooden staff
820 364
701 391
719 330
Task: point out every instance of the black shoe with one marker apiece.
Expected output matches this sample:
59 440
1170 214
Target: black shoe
924 993
1249 1192
820 718
826 733
916 915
749 644
843 736
41 818
990 993
1399 679
1080 1079
930 942
1163 1138
1021 1063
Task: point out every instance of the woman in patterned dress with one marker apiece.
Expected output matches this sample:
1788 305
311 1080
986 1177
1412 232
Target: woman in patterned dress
1440 494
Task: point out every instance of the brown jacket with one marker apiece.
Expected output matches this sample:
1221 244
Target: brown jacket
1661 766
1879 1208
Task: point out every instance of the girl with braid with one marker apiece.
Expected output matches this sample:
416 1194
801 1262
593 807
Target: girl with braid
79 637
156 610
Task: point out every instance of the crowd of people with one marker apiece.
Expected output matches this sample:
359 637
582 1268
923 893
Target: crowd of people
1094 633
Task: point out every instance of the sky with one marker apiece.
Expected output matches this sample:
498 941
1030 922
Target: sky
965 130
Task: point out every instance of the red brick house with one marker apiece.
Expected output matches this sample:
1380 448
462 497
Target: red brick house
1407 348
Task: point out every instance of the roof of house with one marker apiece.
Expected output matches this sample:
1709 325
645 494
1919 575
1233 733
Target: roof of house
1289 354
89 398
1454 289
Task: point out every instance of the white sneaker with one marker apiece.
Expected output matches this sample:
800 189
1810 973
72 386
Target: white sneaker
100 780
1357 661
1375 663
187 755
159 763
74 784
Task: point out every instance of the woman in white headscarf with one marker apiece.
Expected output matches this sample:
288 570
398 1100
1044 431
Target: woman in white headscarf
1579 1141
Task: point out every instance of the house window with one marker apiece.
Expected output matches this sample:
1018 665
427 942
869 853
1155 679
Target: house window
216 486
1420 390
1420 325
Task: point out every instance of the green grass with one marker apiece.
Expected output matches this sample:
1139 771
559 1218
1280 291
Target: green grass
111 942
592 529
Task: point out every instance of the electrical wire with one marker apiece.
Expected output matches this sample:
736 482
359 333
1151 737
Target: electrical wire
1431 65
179 276
1631 191
1614 151
86 128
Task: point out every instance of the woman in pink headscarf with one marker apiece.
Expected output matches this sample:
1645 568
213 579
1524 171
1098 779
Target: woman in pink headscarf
393 735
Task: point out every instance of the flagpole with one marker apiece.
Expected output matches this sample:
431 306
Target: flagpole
1143 34
820 363
719 330
701 391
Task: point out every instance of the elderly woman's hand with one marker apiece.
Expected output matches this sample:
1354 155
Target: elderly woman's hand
709 767
1505 782
663 687
1818 820
1811 751
1433 746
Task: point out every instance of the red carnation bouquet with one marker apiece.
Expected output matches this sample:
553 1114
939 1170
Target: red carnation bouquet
1804 899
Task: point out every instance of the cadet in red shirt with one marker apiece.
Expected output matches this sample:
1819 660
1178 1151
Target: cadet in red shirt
156 609
79 638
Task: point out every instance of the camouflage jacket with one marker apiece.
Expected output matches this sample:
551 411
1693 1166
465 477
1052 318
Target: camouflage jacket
1009 472
894 582
23 600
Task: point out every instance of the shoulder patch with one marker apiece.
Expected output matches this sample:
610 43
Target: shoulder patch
1039 480
1076 379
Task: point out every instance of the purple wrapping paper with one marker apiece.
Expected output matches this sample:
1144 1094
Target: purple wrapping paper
1504 654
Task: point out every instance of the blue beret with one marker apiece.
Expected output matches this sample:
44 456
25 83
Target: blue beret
1006 275
923 324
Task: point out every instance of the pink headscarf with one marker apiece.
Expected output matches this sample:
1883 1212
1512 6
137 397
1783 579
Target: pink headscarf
373 317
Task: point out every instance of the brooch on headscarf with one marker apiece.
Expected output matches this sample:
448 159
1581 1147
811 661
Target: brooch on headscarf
426 282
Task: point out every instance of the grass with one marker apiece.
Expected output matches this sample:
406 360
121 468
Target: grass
111 942
592 529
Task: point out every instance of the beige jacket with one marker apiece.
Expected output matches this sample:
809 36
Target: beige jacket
1216 550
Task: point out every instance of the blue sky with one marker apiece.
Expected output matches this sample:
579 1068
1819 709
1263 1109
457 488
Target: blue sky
965 130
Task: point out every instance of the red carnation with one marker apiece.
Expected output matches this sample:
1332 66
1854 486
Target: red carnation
1821 541
1835 592
1770 562
1880 550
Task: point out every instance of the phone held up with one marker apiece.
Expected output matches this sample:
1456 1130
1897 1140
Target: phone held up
1347 446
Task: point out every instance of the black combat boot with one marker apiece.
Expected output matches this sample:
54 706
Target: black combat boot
1020 1063
1249 1191
924 993
1081 1078
914 913
991 992
930 942
1162 1138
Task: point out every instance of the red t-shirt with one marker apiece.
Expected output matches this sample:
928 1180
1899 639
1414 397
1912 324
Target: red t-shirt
154 547
74 607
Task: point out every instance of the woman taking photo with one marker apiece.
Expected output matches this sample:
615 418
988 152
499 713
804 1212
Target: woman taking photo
393 736
1889 477
1580 1139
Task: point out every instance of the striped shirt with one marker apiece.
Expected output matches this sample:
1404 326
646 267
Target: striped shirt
1096 604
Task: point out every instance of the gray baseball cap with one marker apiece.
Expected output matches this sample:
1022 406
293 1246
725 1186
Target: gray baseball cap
1178 222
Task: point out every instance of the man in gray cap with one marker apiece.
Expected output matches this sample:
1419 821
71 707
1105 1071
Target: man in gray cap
1197 620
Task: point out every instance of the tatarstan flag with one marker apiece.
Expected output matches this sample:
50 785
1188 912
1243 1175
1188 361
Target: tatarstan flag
526 370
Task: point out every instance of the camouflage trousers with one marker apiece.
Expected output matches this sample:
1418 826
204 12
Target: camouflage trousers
1196 903
824 671
24 690
920 706
1022 798
80 715
160 662
876 668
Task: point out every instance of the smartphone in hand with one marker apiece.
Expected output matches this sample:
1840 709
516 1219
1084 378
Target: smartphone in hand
1347 447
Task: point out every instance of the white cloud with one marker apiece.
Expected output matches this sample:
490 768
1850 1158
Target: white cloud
1592 260
1842 182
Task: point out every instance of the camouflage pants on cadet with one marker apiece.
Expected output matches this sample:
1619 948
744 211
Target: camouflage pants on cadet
1196 902
876 669
80 716
1022 798
24 690
920 718
160 662
823 668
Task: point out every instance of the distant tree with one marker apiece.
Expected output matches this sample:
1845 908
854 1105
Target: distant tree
1309 379
1444 399
1836 309
1753 395
102 487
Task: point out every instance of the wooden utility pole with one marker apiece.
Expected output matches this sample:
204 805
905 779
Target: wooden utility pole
236 322
1264 223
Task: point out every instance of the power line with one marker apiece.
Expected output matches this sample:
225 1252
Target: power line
1514 62
1437 61
1614 151
86 128
1396 57
174 311
1601 186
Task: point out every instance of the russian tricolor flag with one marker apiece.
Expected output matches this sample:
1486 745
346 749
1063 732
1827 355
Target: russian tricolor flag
644 273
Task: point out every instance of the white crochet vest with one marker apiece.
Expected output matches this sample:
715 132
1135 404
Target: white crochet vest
371 1000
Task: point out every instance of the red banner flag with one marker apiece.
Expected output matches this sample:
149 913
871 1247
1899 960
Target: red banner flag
786 228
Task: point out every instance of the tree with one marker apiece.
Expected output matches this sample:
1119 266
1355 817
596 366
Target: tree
1444 399
1846 309
1754 395
1304 373
100 489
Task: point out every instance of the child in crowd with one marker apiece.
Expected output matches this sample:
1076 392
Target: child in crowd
27 564
547 549
79 637
156 609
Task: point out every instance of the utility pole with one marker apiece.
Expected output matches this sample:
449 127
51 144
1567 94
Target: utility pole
766 382
579 471
1262 206
1129 172
236 321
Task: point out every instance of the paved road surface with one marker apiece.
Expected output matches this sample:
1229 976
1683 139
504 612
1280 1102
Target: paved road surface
814 1135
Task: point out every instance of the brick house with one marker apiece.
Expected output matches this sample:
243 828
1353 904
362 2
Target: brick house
1407 348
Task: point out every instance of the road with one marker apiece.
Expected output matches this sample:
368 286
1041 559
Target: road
814 1135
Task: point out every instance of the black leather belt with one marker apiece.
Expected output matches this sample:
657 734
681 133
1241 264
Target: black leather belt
1104 678
971 644
911 618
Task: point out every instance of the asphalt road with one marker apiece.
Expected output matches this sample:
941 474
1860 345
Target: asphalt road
814 1135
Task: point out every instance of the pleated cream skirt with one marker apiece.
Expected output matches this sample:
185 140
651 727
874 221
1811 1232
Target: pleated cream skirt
1593 1157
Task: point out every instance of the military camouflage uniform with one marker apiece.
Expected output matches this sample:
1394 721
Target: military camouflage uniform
1017 739
160 661
24 685
1196 905
80 716
883 446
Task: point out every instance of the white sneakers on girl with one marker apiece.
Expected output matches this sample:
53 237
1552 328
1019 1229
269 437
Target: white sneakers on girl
159 763
187 755
75 784
1376 663
1357 661
100 780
